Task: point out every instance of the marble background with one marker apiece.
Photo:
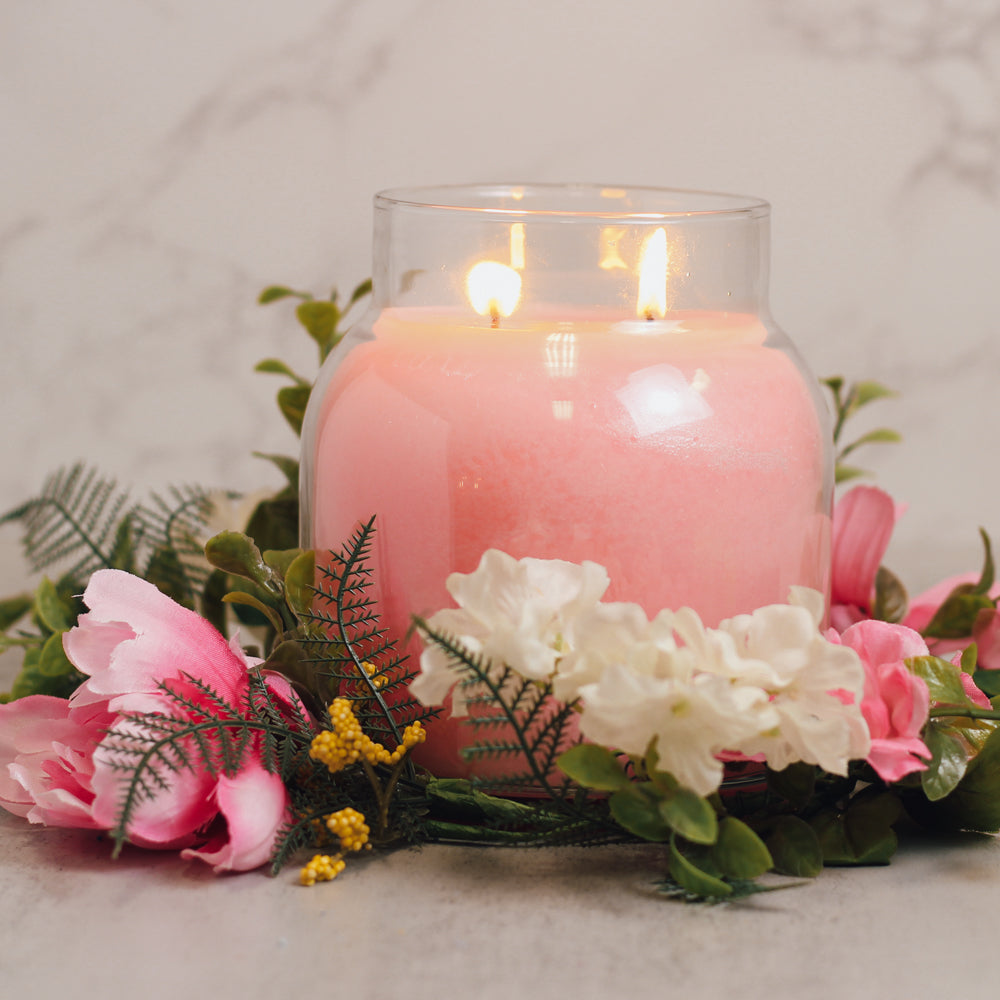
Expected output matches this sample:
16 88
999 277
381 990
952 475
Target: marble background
163 160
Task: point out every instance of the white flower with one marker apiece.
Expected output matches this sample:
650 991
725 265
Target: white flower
693 720
815 689
523 613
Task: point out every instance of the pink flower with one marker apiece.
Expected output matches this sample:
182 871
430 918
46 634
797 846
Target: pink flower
862 525
985 630
59 759
896 702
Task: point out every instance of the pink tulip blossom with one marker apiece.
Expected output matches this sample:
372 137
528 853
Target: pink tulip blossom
56 756
862 526
896 702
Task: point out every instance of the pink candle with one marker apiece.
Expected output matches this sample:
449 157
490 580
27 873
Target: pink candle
685 455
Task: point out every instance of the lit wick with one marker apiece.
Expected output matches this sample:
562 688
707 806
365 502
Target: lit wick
653 264
494 290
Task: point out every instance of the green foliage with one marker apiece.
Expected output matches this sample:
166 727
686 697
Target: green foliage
794 847
861 834
956 617
345 634
847 401
83 522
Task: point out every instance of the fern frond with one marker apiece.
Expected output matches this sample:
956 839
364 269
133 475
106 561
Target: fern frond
533 728
207 732
346 615
78 517
172 527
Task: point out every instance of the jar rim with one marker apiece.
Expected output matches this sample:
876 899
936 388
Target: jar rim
573 201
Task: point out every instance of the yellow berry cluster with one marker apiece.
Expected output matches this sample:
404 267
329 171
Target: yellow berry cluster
346 742
322 868
349 825
379 680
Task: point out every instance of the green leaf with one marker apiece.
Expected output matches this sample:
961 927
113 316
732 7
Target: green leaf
844 473
689 877
970 658
248 600
289 466
56 613
360 292
795 848
13 609
834 383
274 292
948 761
861 836
739 852
272 366
988 681
691 816
320 320
211 603
274 524
890 597
637 809
53 661
869 827
236 554
957 615
943 679
881 436
292 401
796 783
975 803
868 391
300 580
280 559
32 681
593 767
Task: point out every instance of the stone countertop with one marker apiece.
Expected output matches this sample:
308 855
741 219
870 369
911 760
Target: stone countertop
463 922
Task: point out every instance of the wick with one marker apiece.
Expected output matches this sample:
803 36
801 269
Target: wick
494 316
649 316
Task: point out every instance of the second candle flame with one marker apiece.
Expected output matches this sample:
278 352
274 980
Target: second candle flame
652 298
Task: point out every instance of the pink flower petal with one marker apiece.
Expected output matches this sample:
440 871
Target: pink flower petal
862 526
254 805
986 635
881 642
45 761
134 637
172 816
895 758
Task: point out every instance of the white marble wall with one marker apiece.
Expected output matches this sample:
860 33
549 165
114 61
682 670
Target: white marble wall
162 160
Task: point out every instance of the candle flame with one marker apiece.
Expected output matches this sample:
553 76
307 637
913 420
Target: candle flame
652 299
494 289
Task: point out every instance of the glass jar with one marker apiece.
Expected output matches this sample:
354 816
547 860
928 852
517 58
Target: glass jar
572 372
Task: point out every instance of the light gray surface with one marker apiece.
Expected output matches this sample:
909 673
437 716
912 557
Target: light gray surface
449 922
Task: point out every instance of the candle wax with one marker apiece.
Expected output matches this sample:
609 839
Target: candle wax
685 456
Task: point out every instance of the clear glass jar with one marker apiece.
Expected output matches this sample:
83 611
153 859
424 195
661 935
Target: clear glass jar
609 387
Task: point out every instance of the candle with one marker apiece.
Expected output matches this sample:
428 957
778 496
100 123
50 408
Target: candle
680 449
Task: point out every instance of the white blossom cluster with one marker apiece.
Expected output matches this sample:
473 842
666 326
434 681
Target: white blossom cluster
766 686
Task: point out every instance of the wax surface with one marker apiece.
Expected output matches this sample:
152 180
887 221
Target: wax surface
687 460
